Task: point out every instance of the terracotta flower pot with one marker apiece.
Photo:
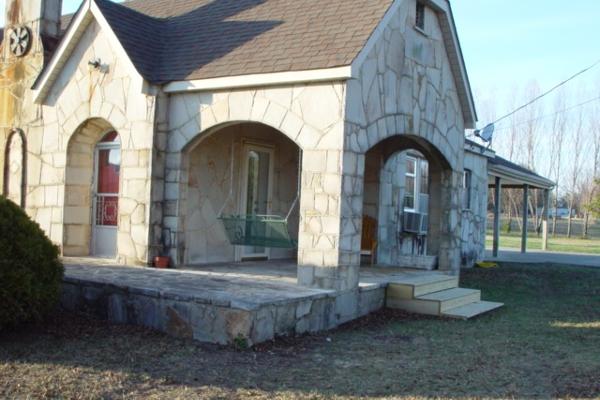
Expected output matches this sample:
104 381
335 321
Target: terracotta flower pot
161 262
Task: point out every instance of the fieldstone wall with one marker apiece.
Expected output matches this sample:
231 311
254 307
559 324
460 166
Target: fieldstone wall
406 87
395 247
474 218
113 95
312 116
209 187
17 76
390 193
191 315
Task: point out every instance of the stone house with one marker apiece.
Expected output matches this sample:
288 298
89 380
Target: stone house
143 128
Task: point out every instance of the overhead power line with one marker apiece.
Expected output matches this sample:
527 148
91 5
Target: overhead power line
547 92
550 115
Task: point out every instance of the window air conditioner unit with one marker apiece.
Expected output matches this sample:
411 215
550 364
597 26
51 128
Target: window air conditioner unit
415 223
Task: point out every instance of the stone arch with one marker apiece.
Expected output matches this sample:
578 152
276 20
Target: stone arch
443 234
194 115
79 177
206 160
395 143
107 114
15 167
423 134
213 129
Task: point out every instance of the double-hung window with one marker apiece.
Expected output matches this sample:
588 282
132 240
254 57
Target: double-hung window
416 198
410 184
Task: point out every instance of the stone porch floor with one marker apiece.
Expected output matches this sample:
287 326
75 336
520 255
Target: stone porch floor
255 300
220 285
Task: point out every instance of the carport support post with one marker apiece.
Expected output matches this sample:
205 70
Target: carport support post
545 214
497 208
525 215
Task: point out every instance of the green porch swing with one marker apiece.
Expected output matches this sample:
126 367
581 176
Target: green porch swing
269 231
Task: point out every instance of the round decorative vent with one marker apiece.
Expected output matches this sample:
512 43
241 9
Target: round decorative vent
20 40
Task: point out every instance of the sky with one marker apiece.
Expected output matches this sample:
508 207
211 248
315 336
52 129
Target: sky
509 43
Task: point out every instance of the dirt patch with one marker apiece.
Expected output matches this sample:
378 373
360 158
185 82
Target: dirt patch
539 346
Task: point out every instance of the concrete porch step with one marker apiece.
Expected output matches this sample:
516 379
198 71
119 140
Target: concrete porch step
472 310
438 302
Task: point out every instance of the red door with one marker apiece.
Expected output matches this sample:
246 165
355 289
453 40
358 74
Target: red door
108 165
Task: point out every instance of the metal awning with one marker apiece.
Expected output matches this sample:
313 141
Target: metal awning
514 176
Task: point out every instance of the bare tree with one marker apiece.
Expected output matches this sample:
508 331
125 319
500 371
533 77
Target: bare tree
594 123
531 127
559 124
513 153
590 187
587 196
577 141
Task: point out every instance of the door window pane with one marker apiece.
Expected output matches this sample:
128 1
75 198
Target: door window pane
257 196
109 161
257 200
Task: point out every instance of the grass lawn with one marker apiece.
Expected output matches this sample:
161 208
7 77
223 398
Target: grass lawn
544 343
560 244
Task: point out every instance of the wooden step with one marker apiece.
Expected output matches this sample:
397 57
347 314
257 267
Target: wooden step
452 298
409 288
472 310
436 303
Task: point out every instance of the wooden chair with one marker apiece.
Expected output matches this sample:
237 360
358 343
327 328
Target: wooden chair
368 242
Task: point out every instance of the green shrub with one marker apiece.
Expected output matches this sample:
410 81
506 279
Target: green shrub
30 271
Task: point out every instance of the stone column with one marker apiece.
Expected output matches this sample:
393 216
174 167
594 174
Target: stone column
448 213
160 237
525 215
497 209
330 219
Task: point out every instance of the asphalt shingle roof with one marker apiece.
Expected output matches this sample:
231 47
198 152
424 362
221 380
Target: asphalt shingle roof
509 164
173 40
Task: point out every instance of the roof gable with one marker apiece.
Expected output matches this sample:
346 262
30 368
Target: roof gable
197 40
183 40
88 11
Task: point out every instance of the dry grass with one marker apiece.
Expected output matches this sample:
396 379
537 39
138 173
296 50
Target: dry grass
544 343
560 244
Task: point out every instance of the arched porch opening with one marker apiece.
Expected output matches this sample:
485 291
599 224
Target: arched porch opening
15 167
408 209
236 169
92 191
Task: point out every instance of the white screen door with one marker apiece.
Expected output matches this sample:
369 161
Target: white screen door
256 200
106 196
